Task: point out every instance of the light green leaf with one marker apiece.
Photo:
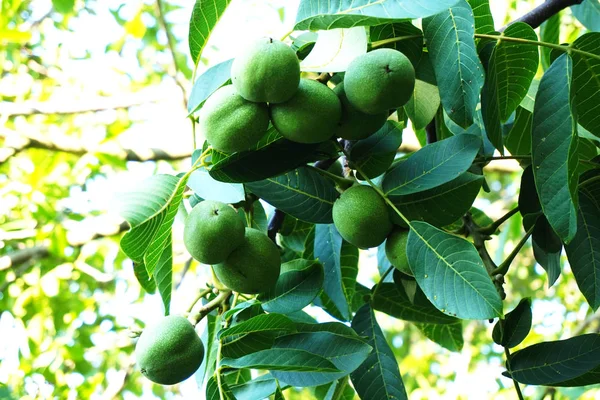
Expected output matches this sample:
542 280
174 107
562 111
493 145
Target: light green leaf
260 323
588 13
282 359
549 33
213 392
511 69
583 251
163 274
139 270
554 148
451 274
425 101
328 248
459 73
302 193
209 188
432 166
484 22
378 377
206 84
321 14
150 211
586 81
205 16
345 352
298 284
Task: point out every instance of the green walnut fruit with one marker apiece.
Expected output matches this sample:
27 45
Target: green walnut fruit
170 351
231 123
361 217
379 81
354 124
212 231
253 267
395 250
311 116
266 71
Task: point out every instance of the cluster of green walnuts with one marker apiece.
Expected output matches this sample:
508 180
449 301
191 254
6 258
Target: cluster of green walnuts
267 89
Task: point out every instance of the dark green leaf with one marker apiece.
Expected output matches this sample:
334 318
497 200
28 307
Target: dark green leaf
518 140
549 33
529 203
484 22
320 14
586 81
454 57
553 362
378 377
149 284
411 47
205 16
328 250
206 84
302 193
272 156
298 284
260 323
442 205
345 352
451 273
432 166
425 101
163 275
511 69
239 346
546 249
374 155
583 251
392 299
212 390
515 327
554 146
283 359
449 336
257 389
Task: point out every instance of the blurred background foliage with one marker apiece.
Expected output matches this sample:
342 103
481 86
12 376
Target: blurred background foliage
92 99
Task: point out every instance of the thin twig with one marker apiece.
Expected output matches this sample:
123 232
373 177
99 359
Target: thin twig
492 228
503 268
199 311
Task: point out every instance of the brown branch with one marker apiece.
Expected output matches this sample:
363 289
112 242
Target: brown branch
80 148
543 12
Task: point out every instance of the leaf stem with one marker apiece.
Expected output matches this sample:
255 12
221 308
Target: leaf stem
202 310
383 42
492 228
517 387
199 297
220 348
287 34
385 274
503 268
344 183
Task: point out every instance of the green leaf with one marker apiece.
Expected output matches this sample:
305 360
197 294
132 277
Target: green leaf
139 270
549 33
345 352
205 16
321 14
554 149
411 47
586 82
298 284
583 251
449 336
273 155
459 73
332 327
518 140
303 193
298 236
451 274
425 101
548 363
374 155
340 265
213 393
163 275
241 345
511 69
378 377
588 13
529 202
283 359
150 211
546 249
441 205
432 166
260 323
392 299
256 389
207 83
484 22
515 327
63 6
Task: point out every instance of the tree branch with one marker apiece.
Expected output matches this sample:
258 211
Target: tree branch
543 12
79 148
430 132
275 224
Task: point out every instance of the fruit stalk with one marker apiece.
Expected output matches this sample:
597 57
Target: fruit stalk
199 311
